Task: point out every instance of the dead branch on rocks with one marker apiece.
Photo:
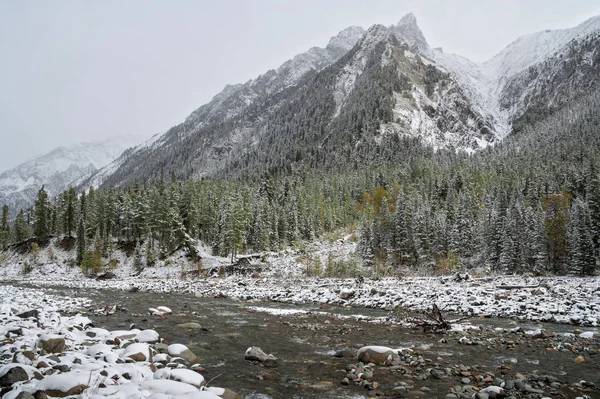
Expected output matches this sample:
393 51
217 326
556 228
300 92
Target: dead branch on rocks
516 287
435 320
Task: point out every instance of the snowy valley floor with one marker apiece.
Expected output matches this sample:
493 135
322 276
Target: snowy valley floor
551 348
564 300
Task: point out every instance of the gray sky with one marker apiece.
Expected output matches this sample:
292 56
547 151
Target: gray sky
74 71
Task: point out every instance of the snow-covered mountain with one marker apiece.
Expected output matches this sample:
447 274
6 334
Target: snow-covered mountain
364 87
57 169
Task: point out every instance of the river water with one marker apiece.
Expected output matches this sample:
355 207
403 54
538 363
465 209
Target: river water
305 343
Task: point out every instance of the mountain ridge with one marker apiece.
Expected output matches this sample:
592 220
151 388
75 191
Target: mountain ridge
57 169
443 99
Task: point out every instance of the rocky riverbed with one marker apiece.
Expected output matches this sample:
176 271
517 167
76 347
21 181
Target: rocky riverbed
316 349
49 349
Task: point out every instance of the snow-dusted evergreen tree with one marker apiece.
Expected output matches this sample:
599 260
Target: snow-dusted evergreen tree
42 216
4 229
580 242
138 264
403 232
81 245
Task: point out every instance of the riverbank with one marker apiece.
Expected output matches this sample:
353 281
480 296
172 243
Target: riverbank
316 347
282 277
554 299
49 349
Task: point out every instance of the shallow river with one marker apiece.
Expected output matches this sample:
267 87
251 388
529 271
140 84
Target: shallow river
305 344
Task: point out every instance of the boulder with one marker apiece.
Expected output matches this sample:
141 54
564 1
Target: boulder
52 344
13 375
374 354
149 336
229 394
347 294
182 351
29 313
76 390
24 395
138 352
255 353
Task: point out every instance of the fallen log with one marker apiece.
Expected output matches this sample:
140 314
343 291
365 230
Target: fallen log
516 287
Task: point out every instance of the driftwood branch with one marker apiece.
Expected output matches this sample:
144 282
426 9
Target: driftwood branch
435 320
516 287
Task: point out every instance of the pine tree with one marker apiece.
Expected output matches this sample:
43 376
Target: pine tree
4 229
41 211
138 265
150 257
69 219
80 241
22 230
580 242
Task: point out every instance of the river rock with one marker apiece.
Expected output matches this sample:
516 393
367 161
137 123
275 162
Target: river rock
255 353
347 294
182 351
181 375
52 344
29 313
348 353
138 352
149 336
24 395
229 394
76 390
374 354
14 375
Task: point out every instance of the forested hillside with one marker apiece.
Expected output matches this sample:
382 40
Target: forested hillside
530 204
383 138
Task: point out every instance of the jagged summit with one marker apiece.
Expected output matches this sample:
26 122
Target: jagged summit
408 30
346 39
362 87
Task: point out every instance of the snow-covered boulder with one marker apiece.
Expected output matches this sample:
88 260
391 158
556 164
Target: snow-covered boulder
374 354
181 375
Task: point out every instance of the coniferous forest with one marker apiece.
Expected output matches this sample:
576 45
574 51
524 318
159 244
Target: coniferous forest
530 204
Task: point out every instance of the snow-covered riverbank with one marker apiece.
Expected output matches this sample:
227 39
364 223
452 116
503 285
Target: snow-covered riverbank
556 299
47 348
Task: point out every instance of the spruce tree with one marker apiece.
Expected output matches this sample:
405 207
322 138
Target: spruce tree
80 241
42 216
4 229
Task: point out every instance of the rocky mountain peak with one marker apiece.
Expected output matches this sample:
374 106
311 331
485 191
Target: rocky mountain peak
346 39
408 31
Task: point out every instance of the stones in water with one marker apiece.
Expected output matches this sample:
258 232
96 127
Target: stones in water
374 354
183 352
255 353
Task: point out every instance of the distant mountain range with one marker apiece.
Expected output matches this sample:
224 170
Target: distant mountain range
326 107
363 86
57 170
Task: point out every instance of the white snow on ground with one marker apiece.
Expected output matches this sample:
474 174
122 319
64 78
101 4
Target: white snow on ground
91 364
282 278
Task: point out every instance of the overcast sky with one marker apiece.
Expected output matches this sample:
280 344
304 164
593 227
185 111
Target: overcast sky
74 71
